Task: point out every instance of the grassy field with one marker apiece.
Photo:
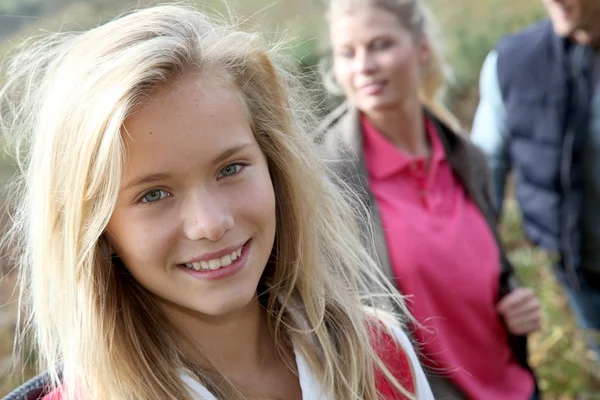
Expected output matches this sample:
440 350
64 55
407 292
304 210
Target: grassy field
565 367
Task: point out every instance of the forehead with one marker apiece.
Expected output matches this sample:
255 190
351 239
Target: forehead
196 87
189 120
364 23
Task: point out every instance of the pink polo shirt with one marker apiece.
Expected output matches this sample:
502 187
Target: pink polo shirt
445 258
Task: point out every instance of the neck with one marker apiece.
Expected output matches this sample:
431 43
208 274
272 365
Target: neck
404 127
238 345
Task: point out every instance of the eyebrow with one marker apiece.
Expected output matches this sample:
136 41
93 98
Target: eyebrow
222 157
230 152
146 180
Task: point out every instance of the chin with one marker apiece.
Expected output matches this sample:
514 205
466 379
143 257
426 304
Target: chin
224 305
563 30
377 104
562 27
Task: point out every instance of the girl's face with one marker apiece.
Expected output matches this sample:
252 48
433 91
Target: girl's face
376 60
195 219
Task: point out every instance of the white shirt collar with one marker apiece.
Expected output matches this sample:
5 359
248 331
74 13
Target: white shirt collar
309 383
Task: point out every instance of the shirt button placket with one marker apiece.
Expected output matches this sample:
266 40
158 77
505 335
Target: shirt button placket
418 170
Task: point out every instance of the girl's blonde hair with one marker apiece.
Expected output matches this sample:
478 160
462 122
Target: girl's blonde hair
63 106
418 19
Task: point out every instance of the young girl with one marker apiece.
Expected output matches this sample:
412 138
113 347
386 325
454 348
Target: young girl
427 187
179 239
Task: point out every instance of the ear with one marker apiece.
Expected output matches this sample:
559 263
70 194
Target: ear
424 49
105 243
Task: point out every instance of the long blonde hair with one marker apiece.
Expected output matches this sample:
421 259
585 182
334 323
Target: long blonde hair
418 19
63 106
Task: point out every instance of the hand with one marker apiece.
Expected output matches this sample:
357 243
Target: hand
521 311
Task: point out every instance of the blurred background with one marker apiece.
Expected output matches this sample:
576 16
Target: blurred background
470 28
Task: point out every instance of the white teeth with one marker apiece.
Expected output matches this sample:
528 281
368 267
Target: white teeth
214 264
225 261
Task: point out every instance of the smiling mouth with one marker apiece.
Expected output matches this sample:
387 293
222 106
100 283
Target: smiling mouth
373 87
216 263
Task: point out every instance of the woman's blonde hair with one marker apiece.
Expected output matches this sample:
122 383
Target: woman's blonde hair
417 18
63 106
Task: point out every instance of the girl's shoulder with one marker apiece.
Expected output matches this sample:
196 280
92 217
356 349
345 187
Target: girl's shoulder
53 395
392 351
391 347
397 353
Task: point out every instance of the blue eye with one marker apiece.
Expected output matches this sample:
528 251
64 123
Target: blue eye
230 170
154 195
346 53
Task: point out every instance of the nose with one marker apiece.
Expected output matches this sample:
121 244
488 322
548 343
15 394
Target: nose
206 216
364 63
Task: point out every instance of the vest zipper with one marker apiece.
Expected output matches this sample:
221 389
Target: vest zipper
566 240
566 176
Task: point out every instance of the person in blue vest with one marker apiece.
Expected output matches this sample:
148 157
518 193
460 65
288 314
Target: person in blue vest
539 116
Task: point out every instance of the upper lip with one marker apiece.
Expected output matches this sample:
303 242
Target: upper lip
215 254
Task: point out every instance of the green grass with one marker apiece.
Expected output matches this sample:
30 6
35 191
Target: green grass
566 368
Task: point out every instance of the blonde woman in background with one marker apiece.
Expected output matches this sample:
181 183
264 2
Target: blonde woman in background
179 239
428 191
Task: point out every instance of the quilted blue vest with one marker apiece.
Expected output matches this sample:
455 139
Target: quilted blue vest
546 88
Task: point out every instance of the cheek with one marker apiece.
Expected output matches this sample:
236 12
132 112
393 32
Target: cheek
341 73
139 238
406 59
258 200
404 68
